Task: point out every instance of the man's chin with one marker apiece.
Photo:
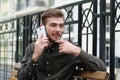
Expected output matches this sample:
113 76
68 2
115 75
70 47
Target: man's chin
53 40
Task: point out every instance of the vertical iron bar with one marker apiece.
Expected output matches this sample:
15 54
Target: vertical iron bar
87 39
80 18
94 27
23 36
25 33
69 32
102 29
30 29
17 42
112 39
28 25
39 19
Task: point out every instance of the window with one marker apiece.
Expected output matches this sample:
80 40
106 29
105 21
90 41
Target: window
18 5
4 1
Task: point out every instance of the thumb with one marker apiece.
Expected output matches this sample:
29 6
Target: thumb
60 41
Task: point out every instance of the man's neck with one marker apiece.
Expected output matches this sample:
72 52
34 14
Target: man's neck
50 44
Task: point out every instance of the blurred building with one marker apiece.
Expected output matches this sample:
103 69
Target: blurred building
14 8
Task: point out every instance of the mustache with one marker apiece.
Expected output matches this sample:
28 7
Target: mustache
58 33
55 33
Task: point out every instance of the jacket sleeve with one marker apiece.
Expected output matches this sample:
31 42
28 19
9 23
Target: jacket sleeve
26 72
91 62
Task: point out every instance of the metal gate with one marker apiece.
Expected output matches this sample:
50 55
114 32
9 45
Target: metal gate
92 24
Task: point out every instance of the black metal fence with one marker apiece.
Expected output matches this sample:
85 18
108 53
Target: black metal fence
92 24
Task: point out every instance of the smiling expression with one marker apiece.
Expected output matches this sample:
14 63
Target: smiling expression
54 28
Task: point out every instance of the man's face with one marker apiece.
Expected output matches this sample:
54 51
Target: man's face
54 28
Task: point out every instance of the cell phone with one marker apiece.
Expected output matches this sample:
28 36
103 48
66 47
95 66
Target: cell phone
41 31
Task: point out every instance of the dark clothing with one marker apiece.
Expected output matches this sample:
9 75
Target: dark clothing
54 66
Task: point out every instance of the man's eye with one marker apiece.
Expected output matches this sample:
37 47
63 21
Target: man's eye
53 25
61 25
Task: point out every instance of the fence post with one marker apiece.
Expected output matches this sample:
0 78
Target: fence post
112 39
102 29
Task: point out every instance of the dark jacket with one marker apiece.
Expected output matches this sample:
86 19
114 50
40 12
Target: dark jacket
54 66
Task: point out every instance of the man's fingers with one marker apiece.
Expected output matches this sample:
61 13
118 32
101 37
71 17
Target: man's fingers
42 40
60 41
40 36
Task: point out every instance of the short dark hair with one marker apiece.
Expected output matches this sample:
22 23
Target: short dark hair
51 13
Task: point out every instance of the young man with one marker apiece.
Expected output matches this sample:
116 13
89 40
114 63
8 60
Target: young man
57 60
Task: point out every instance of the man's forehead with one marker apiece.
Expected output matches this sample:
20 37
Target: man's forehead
58 21
55 22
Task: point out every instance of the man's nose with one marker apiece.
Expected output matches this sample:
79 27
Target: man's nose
58 28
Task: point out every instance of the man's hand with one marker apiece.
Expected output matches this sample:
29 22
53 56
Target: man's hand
40 44
67 47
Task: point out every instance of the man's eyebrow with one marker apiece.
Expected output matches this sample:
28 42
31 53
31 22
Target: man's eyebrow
57 23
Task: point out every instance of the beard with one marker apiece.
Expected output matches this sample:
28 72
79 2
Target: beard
52 40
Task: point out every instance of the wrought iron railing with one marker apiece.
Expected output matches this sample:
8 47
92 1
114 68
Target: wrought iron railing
85 26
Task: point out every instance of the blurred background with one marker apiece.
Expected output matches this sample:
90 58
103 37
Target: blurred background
94 25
